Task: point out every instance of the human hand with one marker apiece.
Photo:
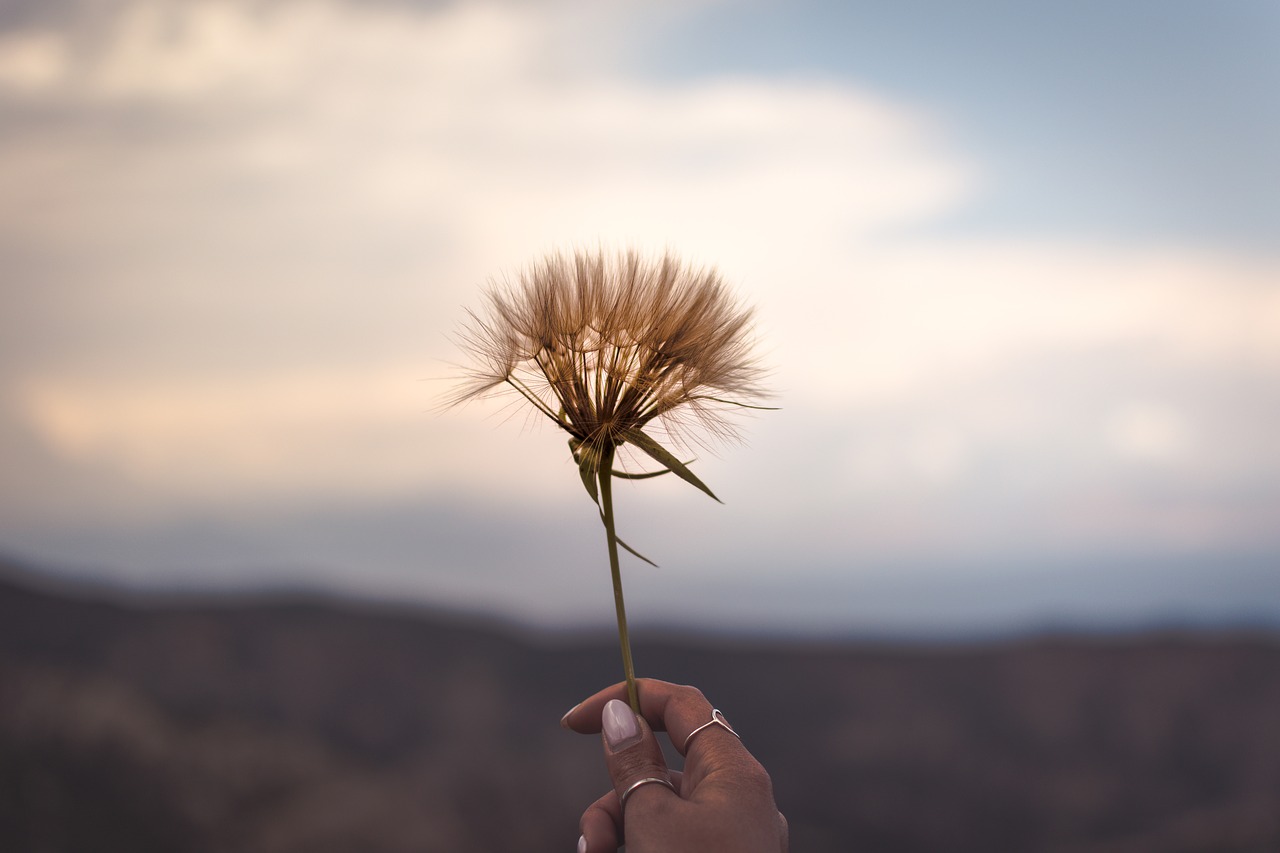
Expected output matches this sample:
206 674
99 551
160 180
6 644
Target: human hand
721 803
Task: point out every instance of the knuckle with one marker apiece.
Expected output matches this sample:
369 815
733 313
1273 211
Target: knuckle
631 764
755 781
693 692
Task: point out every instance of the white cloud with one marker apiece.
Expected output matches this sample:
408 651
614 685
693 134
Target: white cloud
261 220
930 311
1149 432
247 166
32 62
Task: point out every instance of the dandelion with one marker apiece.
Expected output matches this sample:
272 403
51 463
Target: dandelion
608 347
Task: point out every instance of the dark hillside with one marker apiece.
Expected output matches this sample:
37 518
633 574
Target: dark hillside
308 726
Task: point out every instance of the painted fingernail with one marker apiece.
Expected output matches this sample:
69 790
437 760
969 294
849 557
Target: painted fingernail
564 721
621 728
582 844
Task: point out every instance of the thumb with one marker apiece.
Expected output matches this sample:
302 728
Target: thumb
632 756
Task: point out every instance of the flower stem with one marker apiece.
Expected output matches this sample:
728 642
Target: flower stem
605 474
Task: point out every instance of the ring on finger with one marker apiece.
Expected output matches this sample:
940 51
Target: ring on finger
622 800
717 719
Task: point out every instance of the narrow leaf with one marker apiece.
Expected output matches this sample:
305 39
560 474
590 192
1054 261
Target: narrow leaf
665 457
634 552
586 469
644 475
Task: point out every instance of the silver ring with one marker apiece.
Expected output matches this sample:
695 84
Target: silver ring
622 801
717 719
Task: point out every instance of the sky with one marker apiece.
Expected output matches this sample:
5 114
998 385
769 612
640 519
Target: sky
1015 268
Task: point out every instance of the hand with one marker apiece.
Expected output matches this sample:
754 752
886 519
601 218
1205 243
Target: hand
721 803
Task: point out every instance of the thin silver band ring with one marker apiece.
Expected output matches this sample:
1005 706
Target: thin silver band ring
645 781
717 719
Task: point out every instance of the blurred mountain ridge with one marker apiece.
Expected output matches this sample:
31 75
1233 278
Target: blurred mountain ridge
293 723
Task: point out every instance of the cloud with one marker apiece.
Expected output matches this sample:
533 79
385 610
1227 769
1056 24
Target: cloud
1149 431
237 236
249 200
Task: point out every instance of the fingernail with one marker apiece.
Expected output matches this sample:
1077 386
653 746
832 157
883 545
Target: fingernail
582 844
564 721
621 728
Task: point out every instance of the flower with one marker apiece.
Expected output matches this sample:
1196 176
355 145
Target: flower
603 346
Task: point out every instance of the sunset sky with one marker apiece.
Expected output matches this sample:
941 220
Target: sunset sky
1016 270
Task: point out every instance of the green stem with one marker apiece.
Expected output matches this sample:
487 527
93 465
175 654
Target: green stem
606 508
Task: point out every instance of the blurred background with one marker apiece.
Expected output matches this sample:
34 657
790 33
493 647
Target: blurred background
1017 277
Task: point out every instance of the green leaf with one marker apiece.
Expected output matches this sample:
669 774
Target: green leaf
634 552
644 475
665 457
586 469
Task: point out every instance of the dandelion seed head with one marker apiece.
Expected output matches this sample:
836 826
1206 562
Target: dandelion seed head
603 344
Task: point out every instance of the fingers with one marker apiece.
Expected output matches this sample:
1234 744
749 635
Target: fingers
673 708
723 801
638 771
632 756
601 823
601 826
721 777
